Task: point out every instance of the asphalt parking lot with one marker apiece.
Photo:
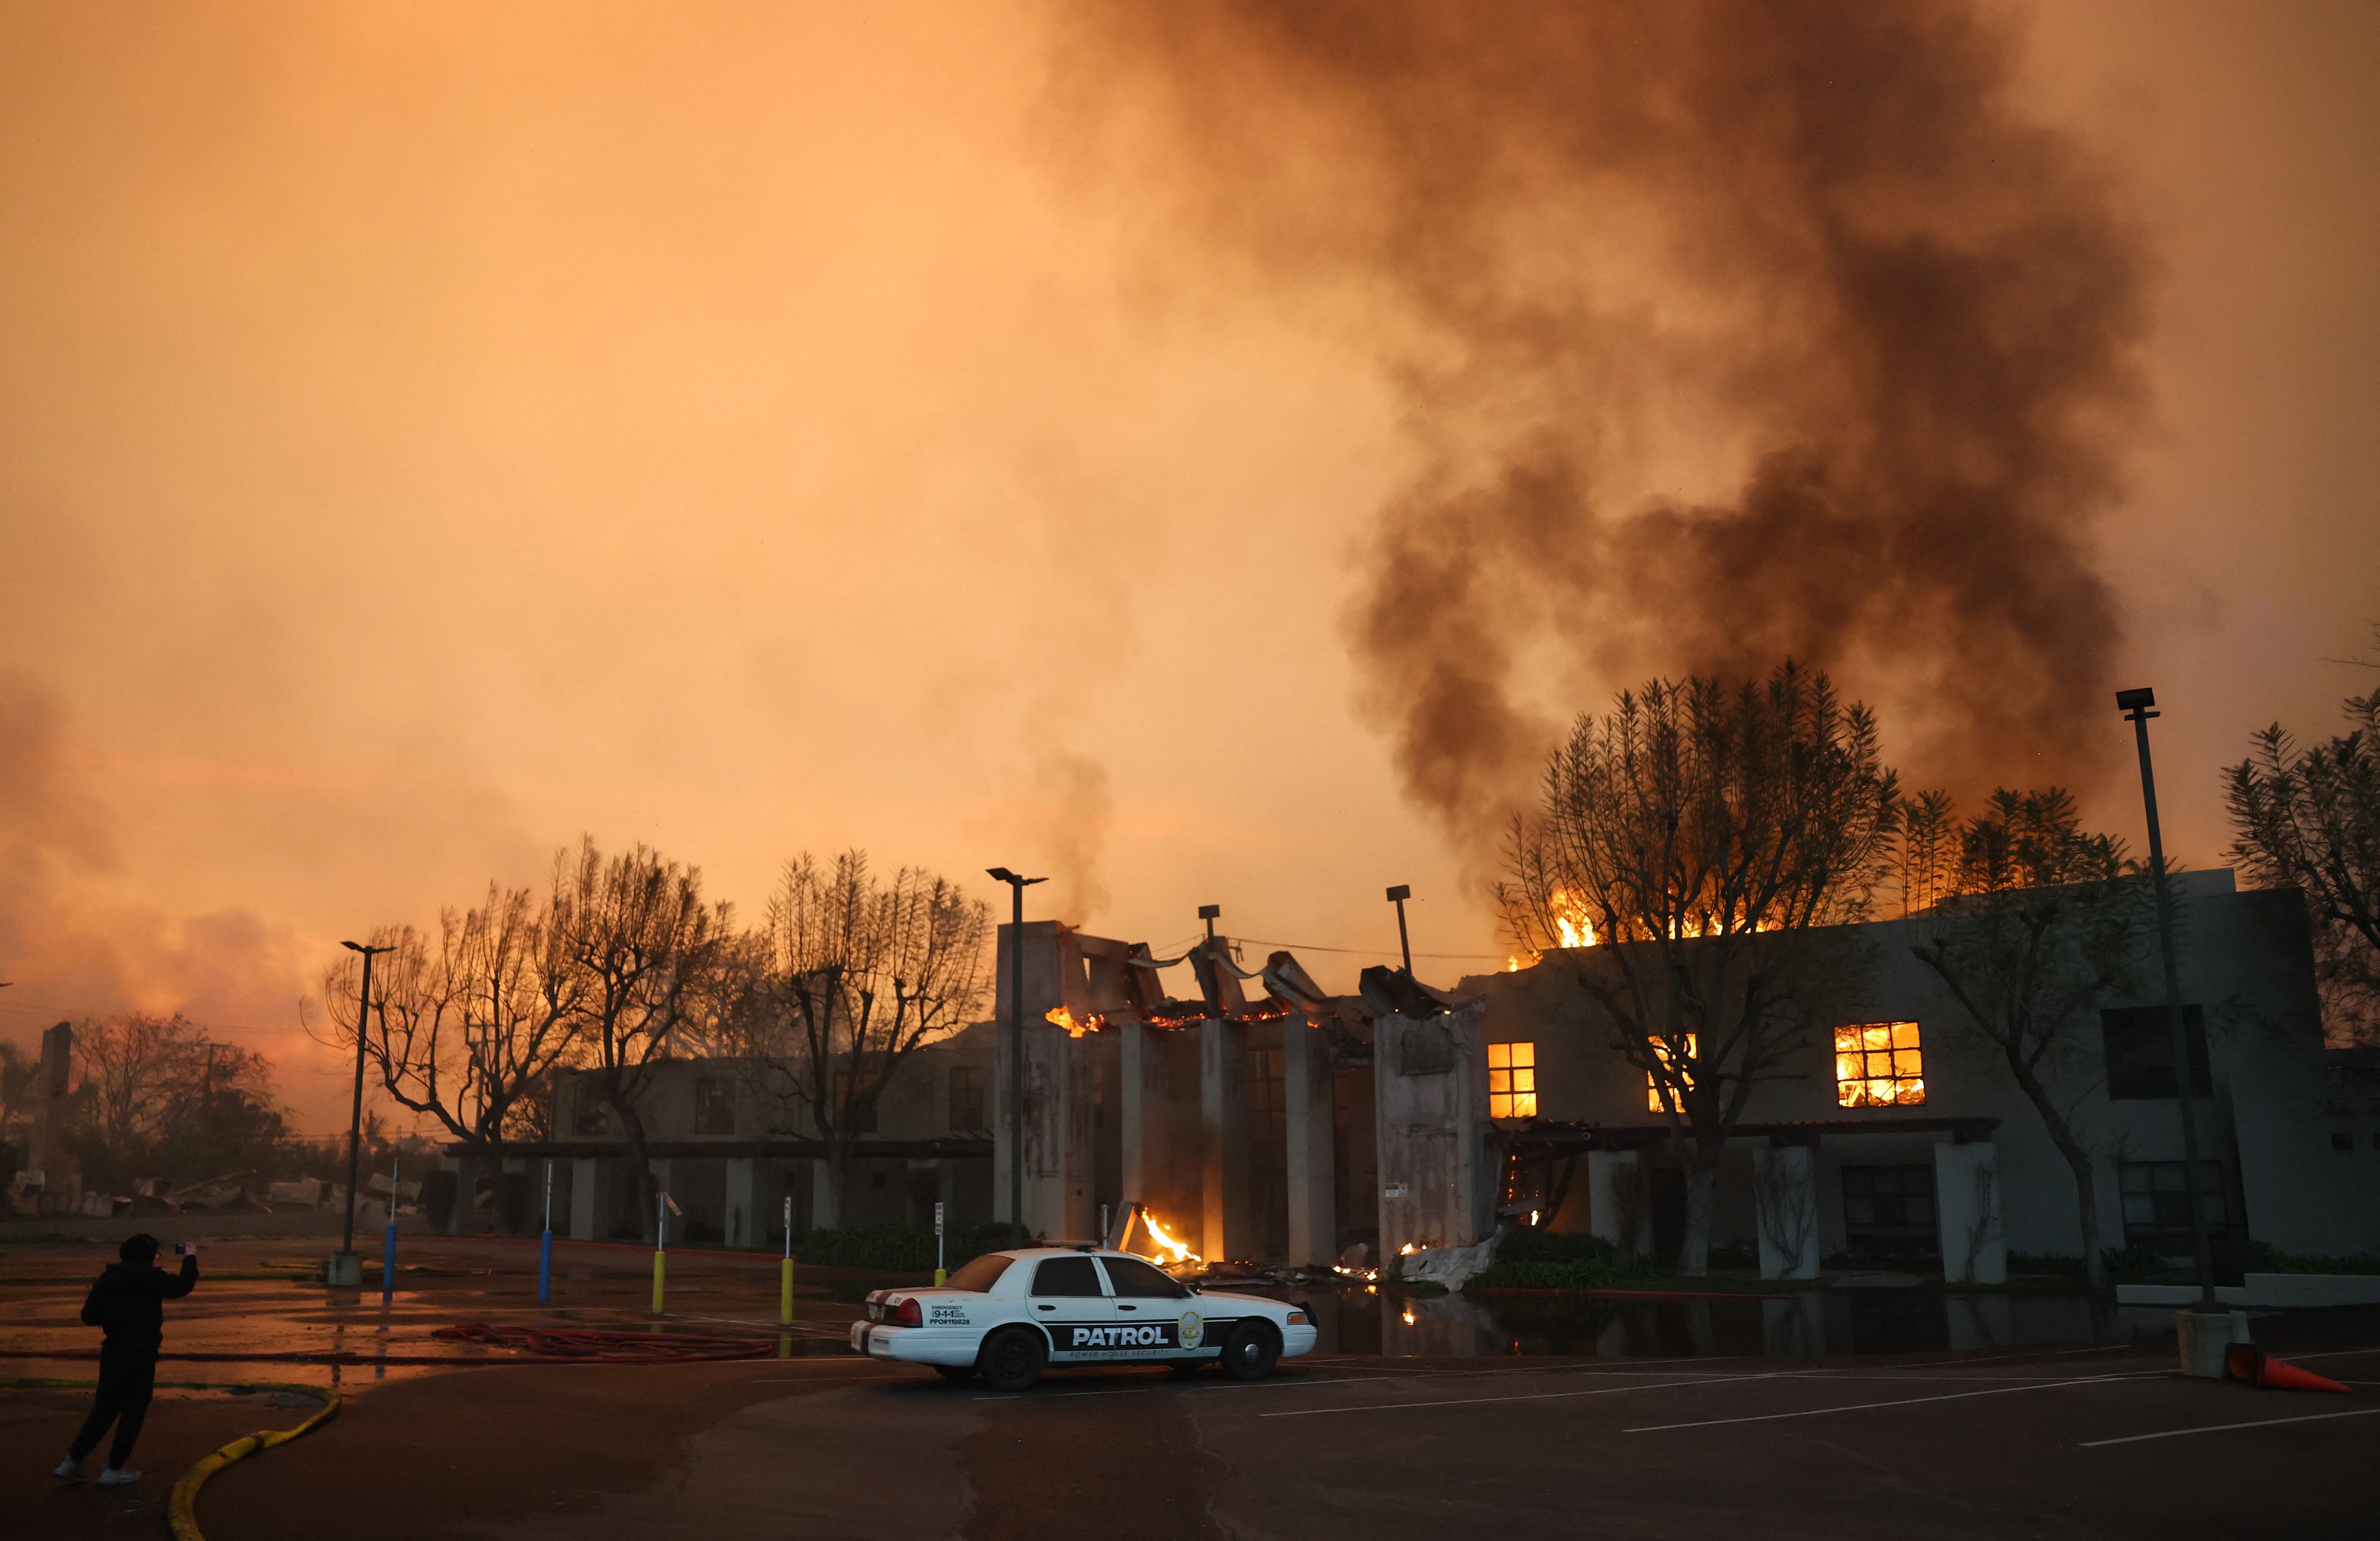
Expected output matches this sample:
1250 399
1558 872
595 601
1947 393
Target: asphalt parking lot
2080 1440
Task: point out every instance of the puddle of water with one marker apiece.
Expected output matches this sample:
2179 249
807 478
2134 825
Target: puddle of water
1811 1322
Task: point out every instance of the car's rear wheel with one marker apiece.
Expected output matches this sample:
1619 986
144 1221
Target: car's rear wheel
1251 1350
1011 1358
955 1372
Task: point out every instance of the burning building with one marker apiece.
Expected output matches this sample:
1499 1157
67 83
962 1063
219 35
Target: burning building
1265 1119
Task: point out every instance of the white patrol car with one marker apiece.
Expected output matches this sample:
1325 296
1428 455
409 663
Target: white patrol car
1008 1315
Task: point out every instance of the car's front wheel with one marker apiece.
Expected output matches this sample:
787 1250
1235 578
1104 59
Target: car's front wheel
1011 1358
1251 1350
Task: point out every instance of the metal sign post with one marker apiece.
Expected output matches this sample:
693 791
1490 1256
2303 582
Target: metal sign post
941 1274
661 1212
388 1247
785 1271
545 1245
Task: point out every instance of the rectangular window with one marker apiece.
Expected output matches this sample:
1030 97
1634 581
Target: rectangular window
1513 1080
1653 1103
1878 1065
588 1114
2156 1204
1889 1209
714 1106
966 1099
2140 1052
1066 1276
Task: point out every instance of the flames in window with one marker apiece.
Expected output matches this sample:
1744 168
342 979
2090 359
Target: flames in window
1878 1064
1652 1091
1513 1080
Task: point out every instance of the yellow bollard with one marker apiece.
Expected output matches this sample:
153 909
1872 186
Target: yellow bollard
941 1277
786 1292
658 1256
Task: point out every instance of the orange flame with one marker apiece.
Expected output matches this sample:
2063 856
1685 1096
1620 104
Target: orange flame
1062 1017
1180 1252
1570 921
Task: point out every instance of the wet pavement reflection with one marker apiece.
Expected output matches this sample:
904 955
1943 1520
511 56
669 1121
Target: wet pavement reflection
1805 1323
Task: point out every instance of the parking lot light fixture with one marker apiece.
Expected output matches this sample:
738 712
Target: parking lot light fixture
2138 707
1017 885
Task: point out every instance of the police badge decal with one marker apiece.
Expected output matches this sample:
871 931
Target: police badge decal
1193 1330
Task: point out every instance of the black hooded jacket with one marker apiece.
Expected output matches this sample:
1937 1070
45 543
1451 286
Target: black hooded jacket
129 1301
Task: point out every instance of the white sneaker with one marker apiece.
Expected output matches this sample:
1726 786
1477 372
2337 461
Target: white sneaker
69 1470
112 1477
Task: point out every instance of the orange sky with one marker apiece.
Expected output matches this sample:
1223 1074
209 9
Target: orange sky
429 432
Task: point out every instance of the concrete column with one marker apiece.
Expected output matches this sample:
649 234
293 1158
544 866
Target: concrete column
1967 1203
1305 1094
61 1172
1046 1130
1133 1110
1430 1092
1078 1219
1785 1209
743 1223
1619 1208
1223 1139
586 1199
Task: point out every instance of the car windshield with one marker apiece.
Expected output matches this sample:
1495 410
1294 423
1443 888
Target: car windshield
1135 1280
977 1276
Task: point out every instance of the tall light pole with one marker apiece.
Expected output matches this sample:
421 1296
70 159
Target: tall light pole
346 1267
2136 705
1015 1042
1397 896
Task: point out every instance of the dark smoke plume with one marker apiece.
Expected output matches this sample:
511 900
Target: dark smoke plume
1813 252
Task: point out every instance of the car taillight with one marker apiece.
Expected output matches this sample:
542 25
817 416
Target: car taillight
910 1314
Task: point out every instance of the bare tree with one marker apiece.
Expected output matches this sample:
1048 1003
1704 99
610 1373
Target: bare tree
650 967
160 1092
469 1027
2310 820
133 1074
856 974
1697 838
2039 923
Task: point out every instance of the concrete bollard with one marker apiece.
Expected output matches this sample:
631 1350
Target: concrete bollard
2205 1337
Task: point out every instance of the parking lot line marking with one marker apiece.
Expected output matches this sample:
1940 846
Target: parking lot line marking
1900 1402
2334 1354
1164 1386
1385 1373
1530 1396
2220 1428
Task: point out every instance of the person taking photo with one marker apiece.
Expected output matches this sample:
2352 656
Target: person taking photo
128 1302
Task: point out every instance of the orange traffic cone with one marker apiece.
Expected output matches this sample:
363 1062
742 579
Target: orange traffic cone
2265 1373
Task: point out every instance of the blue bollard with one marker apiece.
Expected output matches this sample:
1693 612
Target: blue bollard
388 1258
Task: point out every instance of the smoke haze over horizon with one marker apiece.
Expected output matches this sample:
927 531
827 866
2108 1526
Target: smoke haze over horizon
1200 465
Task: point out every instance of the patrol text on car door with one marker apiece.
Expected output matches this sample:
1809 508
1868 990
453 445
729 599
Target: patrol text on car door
1071 1304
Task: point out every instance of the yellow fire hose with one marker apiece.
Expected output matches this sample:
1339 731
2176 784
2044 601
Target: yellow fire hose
183 1509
